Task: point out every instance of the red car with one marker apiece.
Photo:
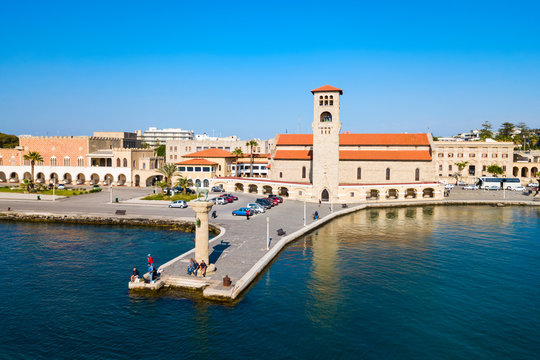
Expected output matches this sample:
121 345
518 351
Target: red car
279 198
273 200
232 196
227 198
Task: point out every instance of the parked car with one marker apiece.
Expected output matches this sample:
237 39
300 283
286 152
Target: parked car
227 198
232 196
532 185
61 186
219 201
470 187
518 188
273 200
492 187
241 212
448 186
461 183
95 187
279 198
256 208
217 189
264 203
178 204
13 180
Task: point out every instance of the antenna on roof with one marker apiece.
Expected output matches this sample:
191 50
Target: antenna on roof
299 124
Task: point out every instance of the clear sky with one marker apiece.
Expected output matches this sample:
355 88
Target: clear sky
246 68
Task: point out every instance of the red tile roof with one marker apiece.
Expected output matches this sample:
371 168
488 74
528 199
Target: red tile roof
293 155
196 162
358 139
211 153
327 88
397 155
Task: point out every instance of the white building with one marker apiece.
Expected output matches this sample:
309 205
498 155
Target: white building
154 136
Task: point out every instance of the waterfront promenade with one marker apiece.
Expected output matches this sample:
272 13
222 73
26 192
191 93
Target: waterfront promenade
240 250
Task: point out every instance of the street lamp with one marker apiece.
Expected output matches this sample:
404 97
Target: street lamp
267 233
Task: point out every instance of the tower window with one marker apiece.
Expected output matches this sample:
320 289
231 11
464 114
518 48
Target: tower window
326 117
358 173
331 100
320 100
387 173
280 174
303 172
417 174
326 100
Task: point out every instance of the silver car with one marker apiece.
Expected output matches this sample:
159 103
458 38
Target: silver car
178 204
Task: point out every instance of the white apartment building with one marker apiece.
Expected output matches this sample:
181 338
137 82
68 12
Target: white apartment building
154 136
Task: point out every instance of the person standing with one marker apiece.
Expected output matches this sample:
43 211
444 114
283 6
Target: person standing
151 272
150 260
247 214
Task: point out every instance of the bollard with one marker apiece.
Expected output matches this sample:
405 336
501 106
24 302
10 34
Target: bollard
116 200
226 281
39 197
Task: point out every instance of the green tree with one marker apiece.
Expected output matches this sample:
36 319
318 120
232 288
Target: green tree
251 143
161 150
33 157
8 141
237 153
461 166
168 171
495 170
485 132
184 183
506 132
145 145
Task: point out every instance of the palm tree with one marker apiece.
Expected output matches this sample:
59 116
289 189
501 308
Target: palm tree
237 153
461 166
168 171
184 183
251 143
33 157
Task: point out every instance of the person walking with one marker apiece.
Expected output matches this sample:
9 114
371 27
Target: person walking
247 214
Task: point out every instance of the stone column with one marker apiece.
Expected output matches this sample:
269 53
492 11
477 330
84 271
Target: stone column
201 208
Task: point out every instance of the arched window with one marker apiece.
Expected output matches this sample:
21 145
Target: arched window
326 117
67 161
387 173
280 174
118 162
320 100
326 100
331 99
358 173
144 166
417 174
80 161
303 172
53 161
125 162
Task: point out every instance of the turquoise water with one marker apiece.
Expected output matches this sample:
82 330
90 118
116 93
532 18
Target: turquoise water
417 283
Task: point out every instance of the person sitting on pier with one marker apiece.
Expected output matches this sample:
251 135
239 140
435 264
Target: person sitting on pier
135 275
316 215
192 267
202 268
155 273
151 273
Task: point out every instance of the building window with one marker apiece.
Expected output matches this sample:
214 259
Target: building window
303 172
331 100
417 174
118 162
170 148
197 168
320 100
326 117
182 168
440 167
300 192
80 161
144 166
505 156
27 162
206 169
219 167
450 154
67 161
125 162
358 173
53 161
471 155
484 168
484 155
189 168
352 194
280 174
472 170
493 155
1 161
387 173
175 148
441 155
170 157
460 155
504 168
326 100
449 167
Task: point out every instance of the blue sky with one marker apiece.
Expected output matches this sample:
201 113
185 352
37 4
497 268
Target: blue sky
246 68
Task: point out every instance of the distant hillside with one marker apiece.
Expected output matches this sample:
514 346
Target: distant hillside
8 141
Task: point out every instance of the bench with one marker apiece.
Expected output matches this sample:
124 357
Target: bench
280 232
120 212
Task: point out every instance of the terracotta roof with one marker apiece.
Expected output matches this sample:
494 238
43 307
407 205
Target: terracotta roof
327 88
358 139
398 155
293 155
295 139
383 139
211 153
196 162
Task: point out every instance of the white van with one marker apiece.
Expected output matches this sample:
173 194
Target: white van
256 207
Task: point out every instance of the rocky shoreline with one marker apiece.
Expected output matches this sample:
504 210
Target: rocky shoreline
174 225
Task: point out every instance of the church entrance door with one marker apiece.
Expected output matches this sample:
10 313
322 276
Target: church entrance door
324 195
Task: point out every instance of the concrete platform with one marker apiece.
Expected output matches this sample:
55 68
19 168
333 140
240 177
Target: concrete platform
143 286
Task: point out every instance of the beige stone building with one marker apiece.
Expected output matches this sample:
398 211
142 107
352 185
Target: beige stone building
478 155
328 165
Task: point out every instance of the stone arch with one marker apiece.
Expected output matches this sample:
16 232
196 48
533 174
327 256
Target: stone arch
81 179
27 176
410 193
137 180
118 162
325 195
2 176
53 178
67 178
40 178
206 183
252 188
108 179
392 194
125 163
372 194
239 187
267 189
121 180
94 179
524 171
283 191
428 193
326 117
534 170
13 177
151 180
197 182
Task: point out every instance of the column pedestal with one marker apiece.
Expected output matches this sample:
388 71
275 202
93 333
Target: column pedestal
201 208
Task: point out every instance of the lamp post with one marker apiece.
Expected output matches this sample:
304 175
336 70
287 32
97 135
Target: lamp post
155 185
110 191
54 186
267 233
